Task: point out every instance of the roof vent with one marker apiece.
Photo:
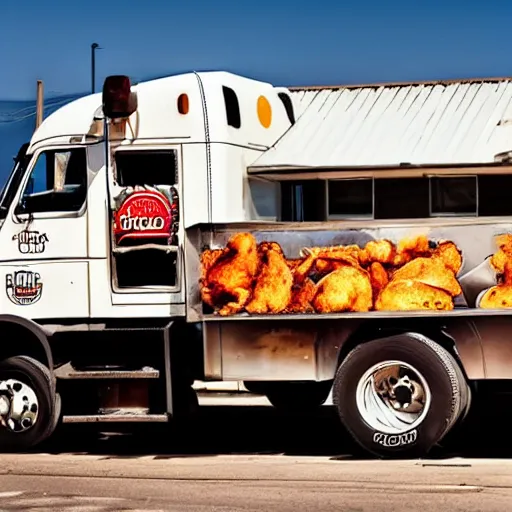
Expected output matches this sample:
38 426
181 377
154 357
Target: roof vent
505 157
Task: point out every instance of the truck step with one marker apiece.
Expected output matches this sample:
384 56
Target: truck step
117 418
68 372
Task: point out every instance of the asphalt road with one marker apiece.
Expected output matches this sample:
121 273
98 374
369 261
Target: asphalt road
240 458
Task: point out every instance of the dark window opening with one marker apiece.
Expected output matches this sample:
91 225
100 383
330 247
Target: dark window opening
288 106
303 201
146 267
350 198
232 107
146 168
402 198
396 198
494 195
453 196
57 182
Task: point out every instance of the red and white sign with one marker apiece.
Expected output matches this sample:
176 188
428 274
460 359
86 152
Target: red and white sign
144 214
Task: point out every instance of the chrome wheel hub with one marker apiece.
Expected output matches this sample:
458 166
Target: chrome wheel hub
393 397
19 406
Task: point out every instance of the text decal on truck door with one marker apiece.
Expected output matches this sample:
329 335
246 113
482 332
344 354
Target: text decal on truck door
23 287
31 242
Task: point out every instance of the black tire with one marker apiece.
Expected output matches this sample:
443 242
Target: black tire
38 377
449 394
298 396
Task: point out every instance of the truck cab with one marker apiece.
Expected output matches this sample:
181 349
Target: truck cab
95 231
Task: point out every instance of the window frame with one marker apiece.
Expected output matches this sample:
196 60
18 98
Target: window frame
22 218
445 215
148 146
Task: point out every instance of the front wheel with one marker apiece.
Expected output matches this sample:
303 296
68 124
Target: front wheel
28 408
399 396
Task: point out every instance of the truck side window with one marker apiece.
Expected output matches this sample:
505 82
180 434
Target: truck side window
149 167
57 183
288 106
232 107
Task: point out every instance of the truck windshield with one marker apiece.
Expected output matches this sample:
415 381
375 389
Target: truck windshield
13 182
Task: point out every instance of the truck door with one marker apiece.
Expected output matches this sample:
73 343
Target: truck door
43 242
146 235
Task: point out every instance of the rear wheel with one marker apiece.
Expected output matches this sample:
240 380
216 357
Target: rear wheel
28 408
399 396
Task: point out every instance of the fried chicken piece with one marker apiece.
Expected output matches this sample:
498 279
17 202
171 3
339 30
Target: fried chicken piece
378 278
302 296
410 248
499 296
333 252
429 271
503 254
273 290
380 251
294 263
324 256
208 259
303 288
227 283
410 295
302 270
504 242
326 266
328 259
499 260
345 289
450 254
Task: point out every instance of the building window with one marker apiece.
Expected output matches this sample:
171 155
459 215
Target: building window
402 198
57 182
350 198
494 195
288 106
232 107
453 196
148 167
303 201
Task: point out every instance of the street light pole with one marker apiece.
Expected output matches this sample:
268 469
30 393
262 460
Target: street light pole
94 47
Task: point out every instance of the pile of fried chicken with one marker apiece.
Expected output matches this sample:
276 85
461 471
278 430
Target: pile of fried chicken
414 274
500 296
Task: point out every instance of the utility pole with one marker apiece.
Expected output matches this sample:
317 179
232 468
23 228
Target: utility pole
94 47
39 103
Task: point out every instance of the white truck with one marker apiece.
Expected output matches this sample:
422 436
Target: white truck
139 253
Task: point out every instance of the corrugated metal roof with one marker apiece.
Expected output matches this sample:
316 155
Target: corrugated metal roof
433 123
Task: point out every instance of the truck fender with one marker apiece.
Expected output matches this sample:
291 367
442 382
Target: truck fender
36 330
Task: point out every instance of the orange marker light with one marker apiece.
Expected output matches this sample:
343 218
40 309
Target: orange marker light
264 112
183 104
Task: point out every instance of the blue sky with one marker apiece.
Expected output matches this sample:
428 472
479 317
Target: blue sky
287 43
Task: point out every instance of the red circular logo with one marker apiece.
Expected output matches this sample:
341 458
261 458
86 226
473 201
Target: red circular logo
144 214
